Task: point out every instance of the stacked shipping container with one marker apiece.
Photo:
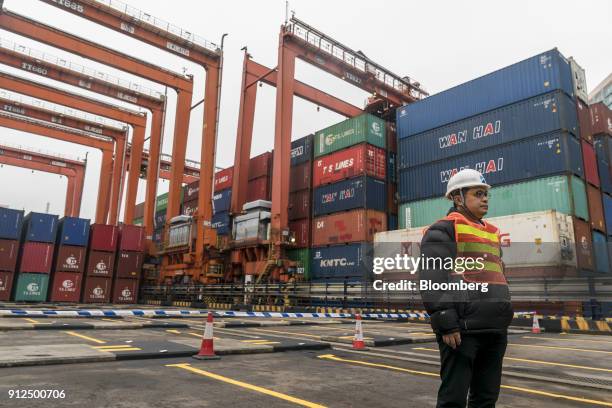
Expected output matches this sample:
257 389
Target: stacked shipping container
350 197
128 264
11 222
100 267
35 257
70 257
526 127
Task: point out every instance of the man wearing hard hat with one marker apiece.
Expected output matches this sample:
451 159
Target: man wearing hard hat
470 325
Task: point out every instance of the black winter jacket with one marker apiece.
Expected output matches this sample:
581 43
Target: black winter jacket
465 311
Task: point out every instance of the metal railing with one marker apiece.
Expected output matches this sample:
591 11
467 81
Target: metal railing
80 69
163 25
62 110
355 59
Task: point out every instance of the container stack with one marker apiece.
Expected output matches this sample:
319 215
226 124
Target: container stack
524 128
100 267
35 257
11 222
350 197
128 264
70 259
300 203
222 201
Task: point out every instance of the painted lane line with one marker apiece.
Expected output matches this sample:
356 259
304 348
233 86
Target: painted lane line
574 339
560 348
85 337
430 374
248 386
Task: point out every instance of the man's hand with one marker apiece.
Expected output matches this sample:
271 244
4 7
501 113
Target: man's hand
452 339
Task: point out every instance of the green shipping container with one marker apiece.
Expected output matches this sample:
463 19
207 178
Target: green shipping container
365 128
550 193
138 221
32 287
162 201
302 257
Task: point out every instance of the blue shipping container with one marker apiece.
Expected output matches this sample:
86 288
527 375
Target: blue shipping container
605 178
392 167
222 200
607 205
40 227
73 231
391 222
11 222
301 150
221 222
158 235
603 147
538 115
540 74
600 248
359 192
160 218
342 261
538 156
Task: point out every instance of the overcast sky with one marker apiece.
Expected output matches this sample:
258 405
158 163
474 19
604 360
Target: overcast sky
438 43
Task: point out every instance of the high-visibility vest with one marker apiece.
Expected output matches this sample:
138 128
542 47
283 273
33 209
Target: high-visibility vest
478 241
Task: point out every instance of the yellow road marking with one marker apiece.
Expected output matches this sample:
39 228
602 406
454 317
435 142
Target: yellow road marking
85 337
201 336
261 342
335 358
30 320
510 387
236 333
173 331
120 349
352 337
117 346
527 360
560 348
570 339
109 320
284 332
251 387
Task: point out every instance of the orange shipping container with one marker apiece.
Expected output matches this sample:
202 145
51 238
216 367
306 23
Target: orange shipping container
351 226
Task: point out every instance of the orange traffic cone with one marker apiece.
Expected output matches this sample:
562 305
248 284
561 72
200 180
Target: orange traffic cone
358 343
207 350
535 328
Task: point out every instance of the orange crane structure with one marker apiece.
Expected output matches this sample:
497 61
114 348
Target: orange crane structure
299 40
183 85
190 174
73 169
59 69
60 97
158 33
59 132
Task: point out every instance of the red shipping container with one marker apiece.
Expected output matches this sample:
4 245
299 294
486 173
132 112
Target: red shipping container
125 291
596 212
351 226
139 210
363 159
591 173
129 264
299 205
36 257
301 229
97 290
300 177
131 238
258 189
70 258
601 119
9 250
190 208
584 244
103 237
224 179
100 263
584 120
6 284
260 166
66 287
192 191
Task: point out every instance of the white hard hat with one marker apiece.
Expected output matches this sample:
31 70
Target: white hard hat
466 178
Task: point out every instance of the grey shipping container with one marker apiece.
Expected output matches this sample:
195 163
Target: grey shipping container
359 192
538 156
539 74
534 116
339 262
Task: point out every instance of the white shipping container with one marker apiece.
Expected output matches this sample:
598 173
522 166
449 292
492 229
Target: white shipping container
536 239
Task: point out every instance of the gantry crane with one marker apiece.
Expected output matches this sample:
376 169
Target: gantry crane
75 101
59 69
151 30
72 169
182 84
190 174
